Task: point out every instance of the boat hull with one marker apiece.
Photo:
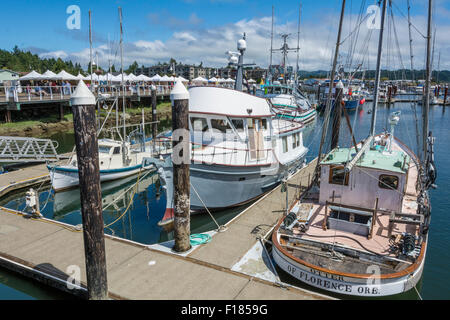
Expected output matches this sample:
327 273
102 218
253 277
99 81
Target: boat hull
360 287
64 178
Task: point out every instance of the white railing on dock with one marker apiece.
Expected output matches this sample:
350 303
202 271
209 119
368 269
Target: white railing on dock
19 149
59 93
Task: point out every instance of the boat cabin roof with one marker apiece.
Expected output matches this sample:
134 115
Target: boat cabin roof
227 102
377 158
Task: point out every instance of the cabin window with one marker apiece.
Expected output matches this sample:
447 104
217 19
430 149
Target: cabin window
285 144
220 125
295 140
238 125
388 182
199 124
104 149
263 124
338 176
116 150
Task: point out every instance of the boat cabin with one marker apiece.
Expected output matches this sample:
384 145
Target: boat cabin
378 180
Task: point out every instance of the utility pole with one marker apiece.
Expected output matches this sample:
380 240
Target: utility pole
83 107
181 165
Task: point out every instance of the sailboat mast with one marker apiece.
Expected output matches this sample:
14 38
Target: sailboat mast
124 157
298 44
90 45
328 105
410 41
378 72
427 84
271 44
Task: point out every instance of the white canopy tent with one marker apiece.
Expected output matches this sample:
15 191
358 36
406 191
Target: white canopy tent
155 78
66 76
33 75
182 79
165 78
213 79
50 75
200 79
251 81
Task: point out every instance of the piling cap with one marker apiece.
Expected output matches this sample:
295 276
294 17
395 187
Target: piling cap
179 92
82 96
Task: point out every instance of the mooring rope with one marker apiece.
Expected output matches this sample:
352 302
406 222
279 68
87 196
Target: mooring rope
220 228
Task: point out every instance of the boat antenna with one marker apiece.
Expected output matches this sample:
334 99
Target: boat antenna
298 45
328 104
378 71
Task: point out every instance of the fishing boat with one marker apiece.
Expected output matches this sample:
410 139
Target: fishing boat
112 167
363 230
288 102
239 150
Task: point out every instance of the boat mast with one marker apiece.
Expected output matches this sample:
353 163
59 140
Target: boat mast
410 40
90 45
328 105
271 46
124 155
378 72
298 45
427 85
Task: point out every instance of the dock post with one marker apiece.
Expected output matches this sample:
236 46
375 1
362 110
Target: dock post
181 164
337 115
61 112
83 107
154 124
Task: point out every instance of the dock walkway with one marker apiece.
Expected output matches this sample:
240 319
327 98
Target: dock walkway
47 251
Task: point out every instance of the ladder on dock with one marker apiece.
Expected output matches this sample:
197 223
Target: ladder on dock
23 150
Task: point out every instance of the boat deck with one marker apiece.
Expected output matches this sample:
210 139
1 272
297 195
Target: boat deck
379 243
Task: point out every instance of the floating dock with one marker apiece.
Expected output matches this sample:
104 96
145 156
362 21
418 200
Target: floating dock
233 265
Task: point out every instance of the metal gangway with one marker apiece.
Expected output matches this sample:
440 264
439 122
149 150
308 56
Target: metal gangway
23 150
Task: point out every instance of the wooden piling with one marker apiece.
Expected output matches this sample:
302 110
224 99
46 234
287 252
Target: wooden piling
83 107
181 164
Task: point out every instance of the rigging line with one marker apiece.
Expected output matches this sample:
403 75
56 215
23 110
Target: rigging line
219 227
403 15
354 30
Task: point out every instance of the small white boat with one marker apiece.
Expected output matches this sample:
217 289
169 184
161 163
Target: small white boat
64 177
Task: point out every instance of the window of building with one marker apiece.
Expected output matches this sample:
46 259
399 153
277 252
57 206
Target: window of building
199 124
388 182
338 175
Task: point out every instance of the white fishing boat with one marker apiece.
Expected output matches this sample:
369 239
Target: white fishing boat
111 164
288 102
362 230
239 151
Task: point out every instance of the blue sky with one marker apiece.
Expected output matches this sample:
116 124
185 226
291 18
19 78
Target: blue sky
184 29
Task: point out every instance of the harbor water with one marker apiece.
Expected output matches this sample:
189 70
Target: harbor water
140 221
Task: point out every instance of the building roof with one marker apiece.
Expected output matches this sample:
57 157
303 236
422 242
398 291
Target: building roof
397 161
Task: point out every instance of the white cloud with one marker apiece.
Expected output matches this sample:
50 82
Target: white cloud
318 37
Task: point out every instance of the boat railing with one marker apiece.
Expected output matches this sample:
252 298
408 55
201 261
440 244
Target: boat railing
223 155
